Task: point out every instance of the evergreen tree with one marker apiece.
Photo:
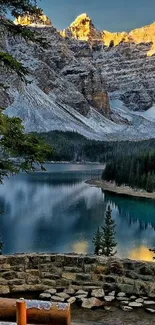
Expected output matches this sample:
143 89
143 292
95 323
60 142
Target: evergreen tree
150 183
17 7
97 241
14 143
108 242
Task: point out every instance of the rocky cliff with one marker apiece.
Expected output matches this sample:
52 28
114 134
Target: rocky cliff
125 59
97 83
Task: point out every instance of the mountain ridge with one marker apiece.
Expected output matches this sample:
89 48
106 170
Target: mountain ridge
103 92
82 28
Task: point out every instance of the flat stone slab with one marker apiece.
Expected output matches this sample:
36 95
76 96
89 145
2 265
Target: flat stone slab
133 297
122 298
150 310
45 296
81 292
112 293
57 299
81 297
135 304
141 300
121 294
124 302
63 295
51 291
149 302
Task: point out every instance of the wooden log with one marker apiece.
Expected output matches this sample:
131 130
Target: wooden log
38 312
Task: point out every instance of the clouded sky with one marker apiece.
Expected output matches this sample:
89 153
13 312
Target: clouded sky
112 15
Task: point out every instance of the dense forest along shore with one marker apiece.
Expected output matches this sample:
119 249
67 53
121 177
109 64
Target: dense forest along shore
121 190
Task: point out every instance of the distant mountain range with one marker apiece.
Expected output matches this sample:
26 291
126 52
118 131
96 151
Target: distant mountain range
96 83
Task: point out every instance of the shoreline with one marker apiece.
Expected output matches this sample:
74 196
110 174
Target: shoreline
73 162
121 190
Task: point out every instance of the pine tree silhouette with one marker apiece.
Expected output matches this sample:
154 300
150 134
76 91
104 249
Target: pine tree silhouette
108 242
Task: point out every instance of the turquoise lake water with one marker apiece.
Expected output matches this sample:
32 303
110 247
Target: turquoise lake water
56 211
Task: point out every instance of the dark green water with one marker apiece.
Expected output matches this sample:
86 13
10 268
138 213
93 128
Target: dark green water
56 211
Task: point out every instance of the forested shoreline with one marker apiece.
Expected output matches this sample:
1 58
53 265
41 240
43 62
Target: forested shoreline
127 163
136 170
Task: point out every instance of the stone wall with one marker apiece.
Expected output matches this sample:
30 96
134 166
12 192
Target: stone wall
33 272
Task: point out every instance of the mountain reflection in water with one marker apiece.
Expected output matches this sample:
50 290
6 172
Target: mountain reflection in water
56 211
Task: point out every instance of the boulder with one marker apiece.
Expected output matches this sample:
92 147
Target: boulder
98 293
92 303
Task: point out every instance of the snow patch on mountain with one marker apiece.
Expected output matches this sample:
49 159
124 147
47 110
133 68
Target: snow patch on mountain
42 113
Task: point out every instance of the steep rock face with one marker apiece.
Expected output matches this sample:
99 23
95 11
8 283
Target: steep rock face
125 60
83 29
58 72
129 73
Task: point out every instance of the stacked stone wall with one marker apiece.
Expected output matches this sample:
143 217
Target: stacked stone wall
33 272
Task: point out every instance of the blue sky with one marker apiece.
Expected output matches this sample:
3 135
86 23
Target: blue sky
112 15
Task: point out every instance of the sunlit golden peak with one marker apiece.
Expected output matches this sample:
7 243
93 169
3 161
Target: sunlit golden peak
79 19
33 20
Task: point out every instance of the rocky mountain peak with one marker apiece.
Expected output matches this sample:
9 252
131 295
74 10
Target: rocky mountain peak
33 20
81 19
82 28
